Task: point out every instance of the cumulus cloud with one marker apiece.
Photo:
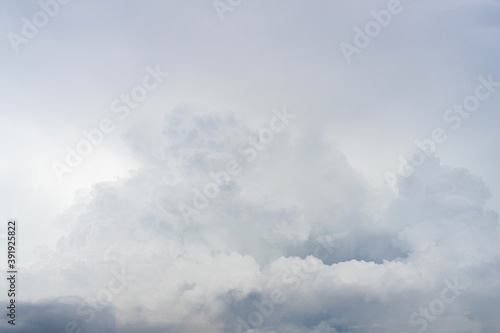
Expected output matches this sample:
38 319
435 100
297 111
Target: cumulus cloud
281 248
244 193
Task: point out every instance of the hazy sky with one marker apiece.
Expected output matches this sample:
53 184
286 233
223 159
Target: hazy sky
236 165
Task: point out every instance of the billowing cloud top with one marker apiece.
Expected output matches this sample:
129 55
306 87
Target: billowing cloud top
227 166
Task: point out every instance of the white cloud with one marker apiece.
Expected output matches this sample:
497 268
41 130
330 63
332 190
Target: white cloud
316 183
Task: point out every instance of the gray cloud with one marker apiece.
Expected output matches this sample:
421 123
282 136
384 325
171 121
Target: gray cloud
260 235
308 223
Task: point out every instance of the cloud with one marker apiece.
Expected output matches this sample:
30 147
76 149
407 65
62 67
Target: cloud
259 236
59 315
303 238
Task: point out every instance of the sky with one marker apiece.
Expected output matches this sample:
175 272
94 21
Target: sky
251 166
